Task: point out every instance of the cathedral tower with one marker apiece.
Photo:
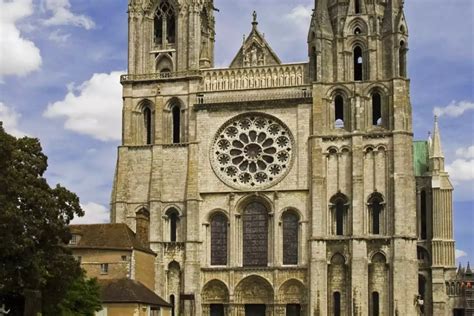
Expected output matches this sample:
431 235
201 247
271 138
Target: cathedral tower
268 188
362 159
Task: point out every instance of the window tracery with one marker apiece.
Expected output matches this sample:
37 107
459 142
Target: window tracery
164 24
252 151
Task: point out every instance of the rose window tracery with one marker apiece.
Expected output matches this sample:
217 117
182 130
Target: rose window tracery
252 151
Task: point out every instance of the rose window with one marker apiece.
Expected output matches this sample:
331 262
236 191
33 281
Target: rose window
252 151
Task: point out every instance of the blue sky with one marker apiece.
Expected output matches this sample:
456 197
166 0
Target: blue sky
60 61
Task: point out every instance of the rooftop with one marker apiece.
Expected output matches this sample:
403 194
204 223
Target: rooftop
107 236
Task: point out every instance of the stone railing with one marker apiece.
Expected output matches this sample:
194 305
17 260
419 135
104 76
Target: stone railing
289 75
159 76
256 95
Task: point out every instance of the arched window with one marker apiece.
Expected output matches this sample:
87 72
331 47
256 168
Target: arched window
375 304
376 109
164 24
402 59
339 111
337 303
173 219
290 237
424 216
358 64
148 122
314 58
255 235
219 226
357 6
176 113
339 205
376 204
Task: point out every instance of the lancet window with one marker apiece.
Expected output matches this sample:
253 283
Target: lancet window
165 24
290 237
219 225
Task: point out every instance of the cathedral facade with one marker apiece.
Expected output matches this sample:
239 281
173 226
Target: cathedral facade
282 189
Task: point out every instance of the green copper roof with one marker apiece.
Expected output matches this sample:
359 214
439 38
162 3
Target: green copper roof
420 157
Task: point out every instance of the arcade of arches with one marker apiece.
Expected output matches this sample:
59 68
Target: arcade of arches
254 296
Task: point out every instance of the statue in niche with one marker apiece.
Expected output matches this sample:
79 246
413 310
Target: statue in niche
246 59
254 56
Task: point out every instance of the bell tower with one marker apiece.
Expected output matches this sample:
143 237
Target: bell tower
168 36
363 185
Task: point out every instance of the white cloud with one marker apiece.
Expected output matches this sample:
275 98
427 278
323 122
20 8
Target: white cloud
93 108
300 16
94 214
62 15
18 56
461 170
459 254
10 118
467 153
454 109
59 37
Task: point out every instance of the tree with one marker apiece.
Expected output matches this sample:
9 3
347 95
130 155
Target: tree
34 220
82 299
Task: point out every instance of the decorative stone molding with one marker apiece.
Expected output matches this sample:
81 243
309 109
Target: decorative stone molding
252 151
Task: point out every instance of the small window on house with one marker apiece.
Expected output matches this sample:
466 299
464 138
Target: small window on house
339 111
147 116
176 113
124 258
375 304
358 64
337 304
104 268
74 239
376 109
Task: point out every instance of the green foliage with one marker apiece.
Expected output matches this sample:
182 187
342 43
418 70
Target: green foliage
33 224
82 299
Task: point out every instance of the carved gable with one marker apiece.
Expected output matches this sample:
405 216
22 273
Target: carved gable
255 51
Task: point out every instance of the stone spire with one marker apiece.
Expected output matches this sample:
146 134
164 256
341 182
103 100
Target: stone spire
468 269
436 150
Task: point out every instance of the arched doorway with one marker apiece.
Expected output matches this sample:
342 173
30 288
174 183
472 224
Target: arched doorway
292 298
254 297
215 299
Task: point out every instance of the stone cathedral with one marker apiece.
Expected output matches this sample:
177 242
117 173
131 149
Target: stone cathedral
268 188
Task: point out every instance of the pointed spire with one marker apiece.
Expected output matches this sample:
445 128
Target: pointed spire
436 148
468 269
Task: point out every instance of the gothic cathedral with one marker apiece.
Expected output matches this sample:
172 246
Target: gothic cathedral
268 188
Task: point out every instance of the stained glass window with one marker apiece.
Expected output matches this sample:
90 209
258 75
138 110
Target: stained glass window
219 240
255 235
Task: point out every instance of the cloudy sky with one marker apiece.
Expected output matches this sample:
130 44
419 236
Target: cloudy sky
60 62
